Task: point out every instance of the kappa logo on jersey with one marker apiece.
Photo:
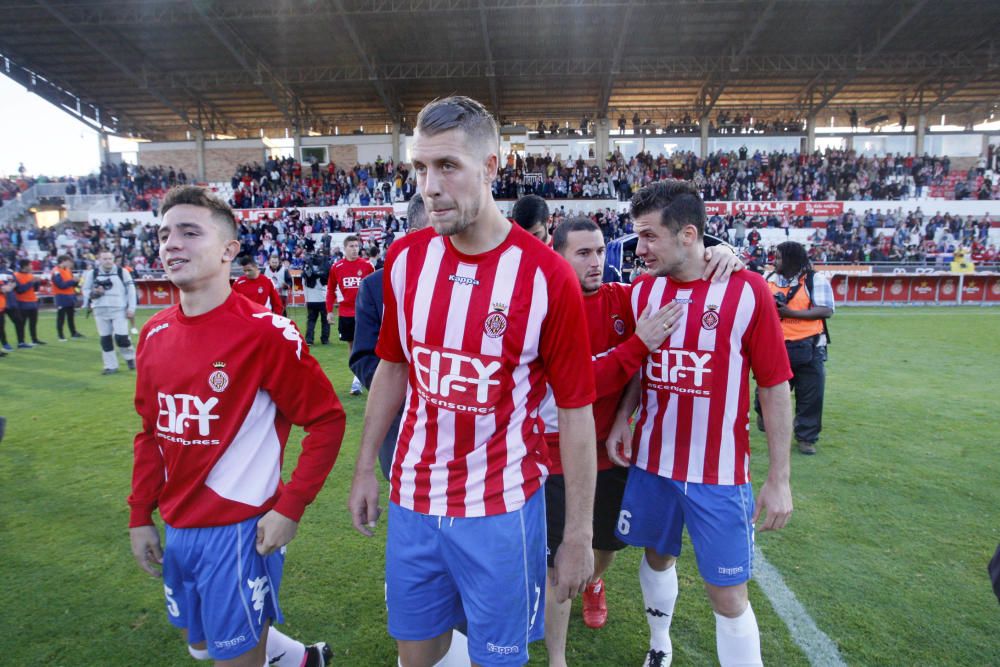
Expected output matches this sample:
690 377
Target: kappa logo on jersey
259 588
180 411
680 371
157 329
462 280
710 319
288 330
456 380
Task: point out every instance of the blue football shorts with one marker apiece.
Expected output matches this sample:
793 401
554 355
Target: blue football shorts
488 571
655 510
219 588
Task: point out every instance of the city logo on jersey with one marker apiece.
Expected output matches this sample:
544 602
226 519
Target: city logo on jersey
457 380
496 322
680 371
288 330
710 319
218 380
619 325
178 412
462 280
351 282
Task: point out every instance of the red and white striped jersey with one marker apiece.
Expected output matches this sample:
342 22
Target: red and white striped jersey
482 335
693 423
616 353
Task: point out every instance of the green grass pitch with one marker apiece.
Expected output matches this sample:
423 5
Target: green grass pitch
894 520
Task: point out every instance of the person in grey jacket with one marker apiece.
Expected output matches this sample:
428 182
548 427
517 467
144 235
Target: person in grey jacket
110 292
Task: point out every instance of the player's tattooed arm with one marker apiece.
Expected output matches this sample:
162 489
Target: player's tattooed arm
386 395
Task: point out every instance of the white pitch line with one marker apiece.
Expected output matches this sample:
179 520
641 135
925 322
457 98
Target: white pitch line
818 647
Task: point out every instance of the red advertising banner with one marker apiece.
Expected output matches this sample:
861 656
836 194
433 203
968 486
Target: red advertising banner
870 289
827 209
369 211
845 288
973 289
923 289
897 290
948 290
992 289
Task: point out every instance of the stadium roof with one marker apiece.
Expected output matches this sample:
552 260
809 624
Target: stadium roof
162 68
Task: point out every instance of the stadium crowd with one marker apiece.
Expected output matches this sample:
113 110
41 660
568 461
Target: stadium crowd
293 236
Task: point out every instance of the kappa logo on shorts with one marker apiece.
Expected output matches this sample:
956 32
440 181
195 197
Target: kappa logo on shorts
502 650
259 588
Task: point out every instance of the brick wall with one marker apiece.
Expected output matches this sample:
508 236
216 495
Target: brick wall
179 159
344 156
219 162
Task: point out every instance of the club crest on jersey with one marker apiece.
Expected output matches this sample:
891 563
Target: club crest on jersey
619 325
495 324
218 380
710 319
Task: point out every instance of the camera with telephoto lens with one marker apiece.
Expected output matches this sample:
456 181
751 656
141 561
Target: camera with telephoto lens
101 285
780 300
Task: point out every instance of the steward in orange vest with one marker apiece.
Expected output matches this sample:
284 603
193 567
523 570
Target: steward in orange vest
804 300
26 302
64 287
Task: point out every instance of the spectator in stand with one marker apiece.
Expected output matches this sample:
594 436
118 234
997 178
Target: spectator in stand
64 288
26 303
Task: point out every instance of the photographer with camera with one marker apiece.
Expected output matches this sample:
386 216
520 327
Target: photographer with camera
804 300
314 279
109 291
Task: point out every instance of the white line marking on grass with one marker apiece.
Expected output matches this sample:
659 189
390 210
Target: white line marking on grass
818 647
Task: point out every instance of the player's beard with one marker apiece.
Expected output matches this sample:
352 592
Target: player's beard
464 221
